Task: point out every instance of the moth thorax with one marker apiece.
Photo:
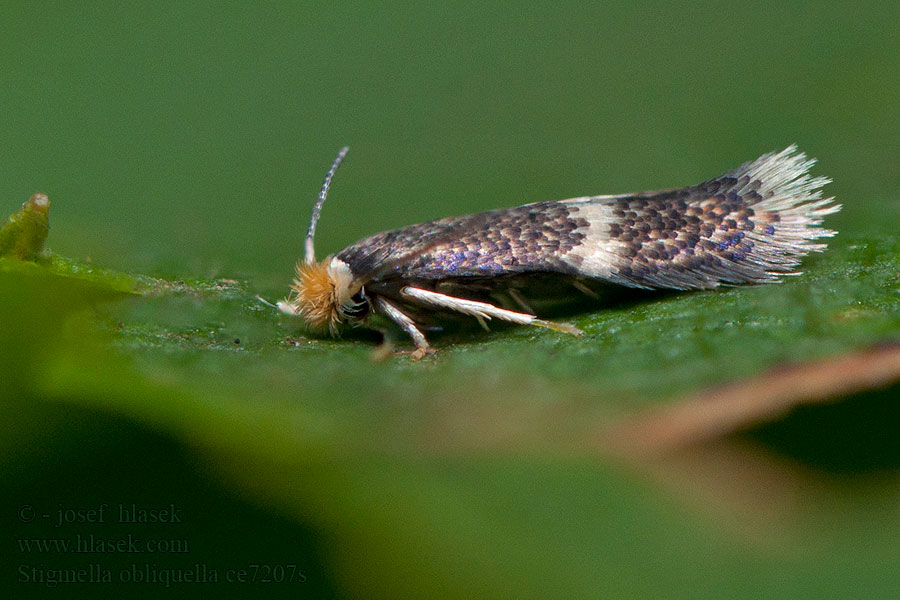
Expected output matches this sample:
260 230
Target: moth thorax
322 293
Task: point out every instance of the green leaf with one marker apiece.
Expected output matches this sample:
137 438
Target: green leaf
482 471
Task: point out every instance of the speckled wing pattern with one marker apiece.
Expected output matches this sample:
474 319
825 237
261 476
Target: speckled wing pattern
527 238
390 253
749 225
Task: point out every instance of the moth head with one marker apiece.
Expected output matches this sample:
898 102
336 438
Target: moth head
325 294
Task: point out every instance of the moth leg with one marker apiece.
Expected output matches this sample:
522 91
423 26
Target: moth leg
518 299
406 324
383 350
480 310
585 290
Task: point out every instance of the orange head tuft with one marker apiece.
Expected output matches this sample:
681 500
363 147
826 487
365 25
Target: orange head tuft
322 293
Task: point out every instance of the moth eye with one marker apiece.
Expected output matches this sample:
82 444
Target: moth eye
358 307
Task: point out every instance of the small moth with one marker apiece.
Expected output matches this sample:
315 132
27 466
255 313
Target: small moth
750 225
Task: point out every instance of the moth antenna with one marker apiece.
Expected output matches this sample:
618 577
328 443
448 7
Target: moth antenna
310 256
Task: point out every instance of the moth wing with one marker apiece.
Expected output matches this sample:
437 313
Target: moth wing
373 256
523 239
750 225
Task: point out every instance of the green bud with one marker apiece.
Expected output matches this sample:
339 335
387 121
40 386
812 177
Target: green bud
24 233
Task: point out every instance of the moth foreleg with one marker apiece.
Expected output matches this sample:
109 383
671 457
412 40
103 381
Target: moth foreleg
479 310
406 324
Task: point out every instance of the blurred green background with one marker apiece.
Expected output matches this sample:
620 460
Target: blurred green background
193 138
188 140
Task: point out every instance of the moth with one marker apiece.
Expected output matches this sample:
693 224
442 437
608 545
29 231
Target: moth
752 224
